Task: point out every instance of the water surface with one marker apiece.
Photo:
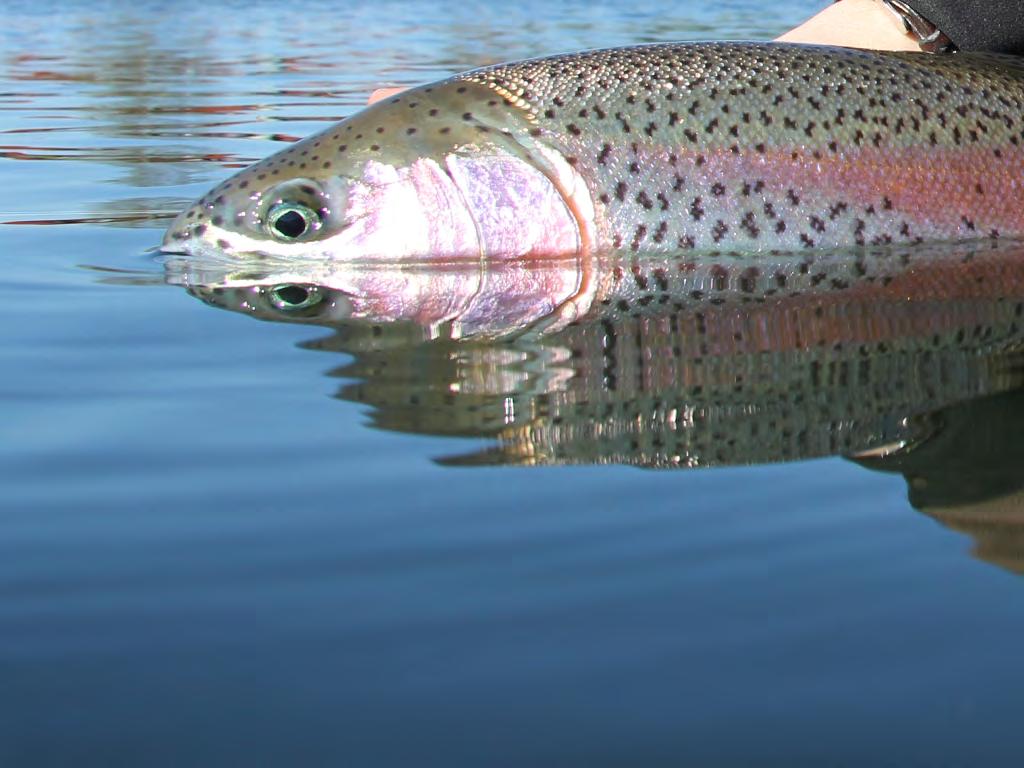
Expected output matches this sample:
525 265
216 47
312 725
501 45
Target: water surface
230 541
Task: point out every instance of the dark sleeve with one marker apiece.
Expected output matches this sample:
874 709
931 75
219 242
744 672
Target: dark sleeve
975 25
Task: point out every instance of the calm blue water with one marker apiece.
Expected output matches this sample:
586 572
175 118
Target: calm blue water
232 542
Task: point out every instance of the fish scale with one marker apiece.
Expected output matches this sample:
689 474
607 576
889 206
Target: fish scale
706 147
745 146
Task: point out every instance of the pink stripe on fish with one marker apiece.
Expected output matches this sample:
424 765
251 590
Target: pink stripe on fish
794 198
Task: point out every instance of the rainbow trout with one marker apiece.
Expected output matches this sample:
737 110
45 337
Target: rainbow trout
653 149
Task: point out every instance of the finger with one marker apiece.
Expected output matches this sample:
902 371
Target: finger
382 93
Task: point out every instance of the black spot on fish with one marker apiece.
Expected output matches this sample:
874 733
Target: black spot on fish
749 224
696 209
638 236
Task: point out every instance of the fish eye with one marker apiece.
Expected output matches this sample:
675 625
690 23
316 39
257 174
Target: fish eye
290 221
291 297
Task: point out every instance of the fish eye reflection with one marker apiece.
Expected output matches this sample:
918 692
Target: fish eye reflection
907 362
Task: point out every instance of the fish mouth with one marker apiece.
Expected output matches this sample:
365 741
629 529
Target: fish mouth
176 237
185 233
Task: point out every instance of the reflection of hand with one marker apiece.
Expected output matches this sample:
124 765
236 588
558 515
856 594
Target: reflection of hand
854 24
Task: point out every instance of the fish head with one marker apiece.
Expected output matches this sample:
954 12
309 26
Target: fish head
418 176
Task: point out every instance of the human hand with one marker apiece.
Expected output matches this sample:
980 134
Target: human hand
854 24
382 93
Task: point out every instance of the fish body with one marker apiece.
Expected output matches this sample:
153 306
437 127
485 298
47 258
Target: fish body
665 148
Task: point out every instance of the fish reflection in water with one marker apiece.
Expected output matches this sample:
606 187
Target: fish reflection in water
916 369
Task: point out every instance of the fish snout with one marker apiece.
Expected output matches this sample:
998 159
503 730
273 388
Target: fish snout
185 226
